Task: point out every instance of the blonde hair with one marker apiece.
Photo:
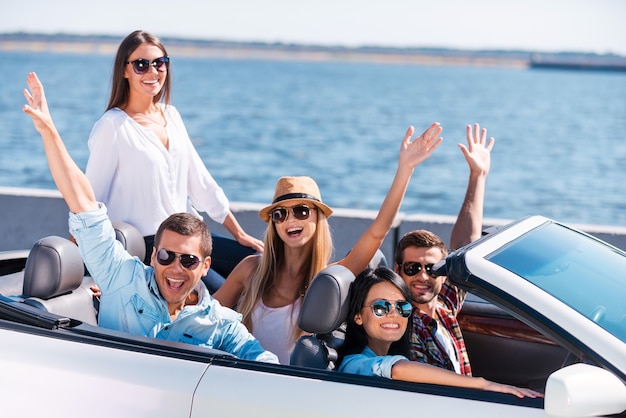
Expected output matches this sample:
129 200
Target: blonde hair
272 259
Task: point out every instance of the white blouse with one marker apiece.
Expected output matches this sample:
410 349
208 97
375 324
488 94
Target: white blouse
142 182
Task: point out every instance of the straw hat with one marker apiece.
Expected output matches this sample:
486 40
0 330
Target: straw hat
295 188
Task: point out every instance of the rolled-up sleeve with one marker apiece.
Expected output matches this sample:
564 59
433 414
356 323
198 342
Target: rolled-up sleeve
103 255
370 365
241 343
233 337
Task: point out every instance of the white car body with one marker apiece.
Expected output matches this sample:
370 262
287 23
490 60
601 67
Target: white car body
52 367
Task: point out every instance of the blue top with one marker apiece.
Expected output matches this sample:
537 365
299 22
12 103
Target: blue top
131 300
369 364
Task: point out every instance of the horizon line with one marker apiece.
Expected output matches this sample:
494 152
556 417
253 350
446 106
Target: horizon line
312 46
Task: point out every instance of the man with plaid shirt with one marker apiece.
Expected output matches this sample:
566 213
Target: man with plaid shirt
436 337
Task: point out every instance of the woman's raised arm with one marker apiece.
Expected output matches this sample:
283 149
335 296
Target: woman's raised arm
412 153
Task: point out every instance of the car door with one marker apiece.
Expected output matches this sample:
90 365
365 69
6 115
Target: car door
504 349
48 373
247 389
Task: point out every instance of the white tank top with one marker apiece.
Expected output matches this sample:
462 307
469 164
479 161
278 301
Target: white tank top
273 327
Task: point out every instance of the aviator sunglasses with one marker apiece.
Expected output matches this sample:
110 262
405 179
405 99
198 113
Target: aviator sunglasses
188 261
382 307
411 268
142 65
300 212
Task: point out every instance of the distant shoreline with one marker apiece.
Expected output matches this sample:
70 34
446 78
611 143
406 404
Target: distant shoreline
264 53
107 45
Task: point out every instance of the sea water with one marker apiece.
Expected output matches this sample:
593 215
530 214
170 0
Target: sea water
560 135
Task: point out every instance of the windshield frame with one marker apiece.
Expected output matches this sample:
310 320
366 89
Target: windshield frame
470 269
575 268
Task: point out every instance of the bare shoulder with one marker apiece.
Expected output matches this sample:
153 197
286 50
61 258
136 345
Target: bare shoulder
244 269
230 292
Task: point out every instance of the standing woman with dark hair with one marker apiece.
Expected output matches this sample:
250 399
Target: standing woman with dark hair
142 163
377 337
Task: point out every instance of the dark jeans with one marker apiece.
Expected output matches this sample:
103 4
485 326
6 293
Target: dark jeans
226 254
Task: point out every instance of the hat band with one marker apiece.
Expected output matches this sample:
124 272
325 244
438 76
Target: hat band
295 196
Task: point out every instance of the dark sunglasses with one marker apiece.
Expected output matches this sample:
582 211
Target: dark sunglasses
411 268
142 65
300 212
382 307
188 261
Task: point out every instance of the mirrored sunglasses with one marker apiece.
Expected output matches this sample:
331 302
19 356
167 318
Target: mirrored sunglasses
165 258
382 307
411 268
300 212
142 65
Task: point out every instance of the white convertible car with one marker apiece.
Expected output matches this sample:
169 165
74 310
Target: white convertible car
547 310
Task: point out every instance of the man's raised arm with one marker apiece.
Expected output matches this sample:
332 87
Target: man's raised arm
469 222
70 180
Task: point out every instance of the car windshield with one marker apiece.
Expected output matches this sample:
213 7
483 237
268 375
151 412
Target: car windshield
582 272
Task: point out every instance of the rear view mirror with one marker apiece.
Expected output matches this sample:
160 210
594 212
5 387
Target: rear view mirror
582 390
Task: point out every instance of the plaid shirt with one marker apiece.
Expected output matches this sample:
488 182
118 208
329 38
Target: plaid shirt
424 346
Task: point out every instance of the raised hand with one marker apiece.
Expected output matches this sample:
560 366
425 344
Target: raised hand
68 177
477 153
414 152
37 107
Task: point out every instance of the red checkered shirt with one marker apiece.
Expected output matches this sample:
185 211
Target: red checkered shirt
424 346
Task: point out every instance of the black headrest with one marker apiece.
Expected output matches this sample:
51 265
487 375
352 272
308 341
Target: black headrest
53 267
325 305
131 238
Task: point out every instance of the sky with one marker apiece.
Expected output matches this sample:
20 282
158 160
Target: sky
533 25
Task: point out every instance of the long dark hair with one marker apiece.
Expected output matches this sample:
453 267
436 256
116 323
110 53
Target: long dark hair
356 338
120 90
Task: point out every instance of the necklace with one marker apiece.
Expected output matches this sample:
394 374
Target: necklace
139 117
163 116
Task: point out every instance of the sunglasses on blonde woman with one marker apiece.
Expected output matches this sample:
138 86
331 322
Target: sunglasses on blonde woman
300 212
142 65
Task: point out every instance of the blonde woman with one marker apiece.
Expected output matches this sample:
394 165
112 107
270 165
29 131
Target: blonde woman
268 288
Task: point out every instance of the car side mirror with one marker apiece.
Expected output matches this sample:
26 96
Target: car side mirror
582 390
439 269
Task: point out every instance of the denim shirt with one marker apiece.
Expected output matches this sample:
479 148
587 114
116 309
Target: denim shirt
369 364
131 300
